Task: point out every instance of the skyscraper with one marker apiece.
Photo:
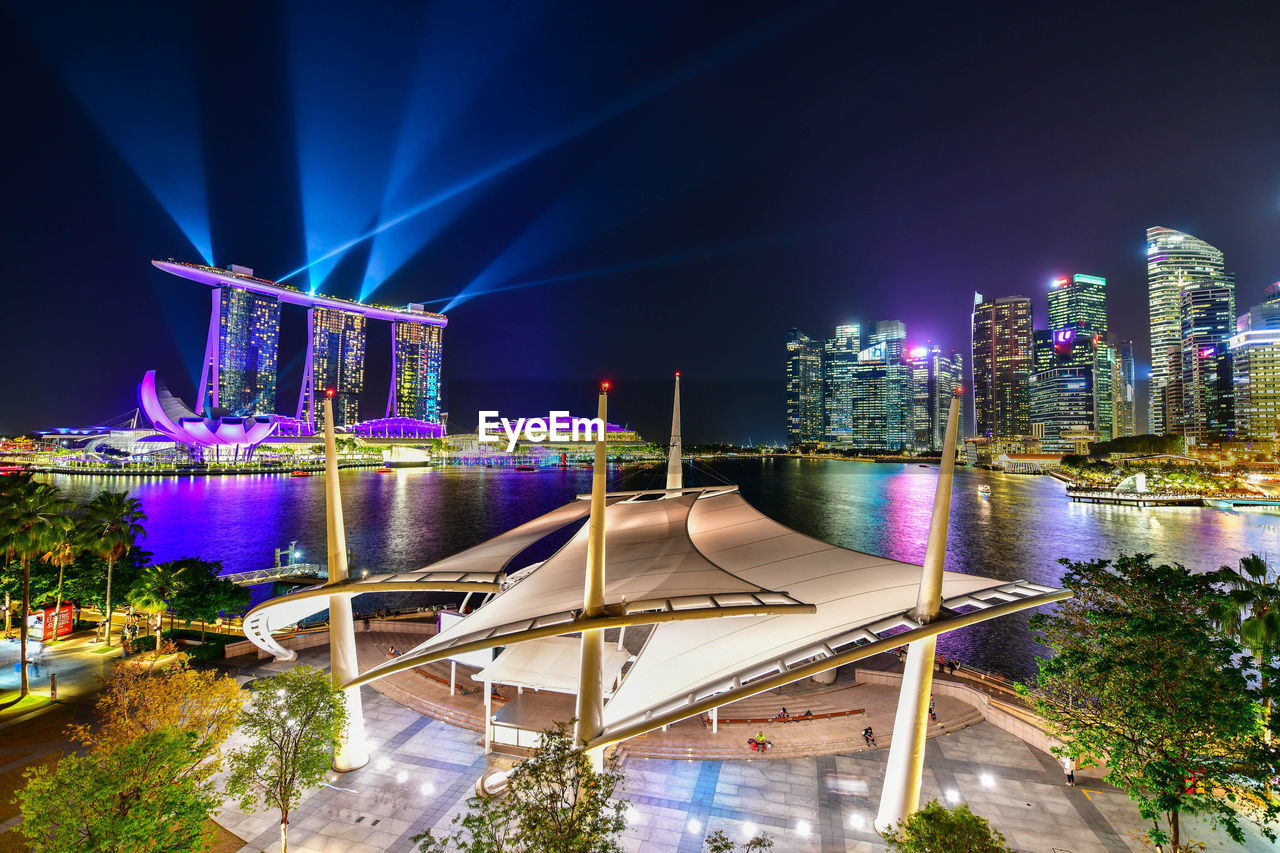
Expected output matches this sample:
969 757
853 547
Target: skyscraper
1123 389
1255 364
881 392
1080 303
415 382
934 379
335 359
1208 401
239 374
805 420
1002 362
840 354
1175 261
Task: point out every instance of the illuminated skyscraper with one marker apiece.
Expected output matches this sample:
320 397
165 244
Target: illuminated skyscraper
335 359
805 421
1079 303
1002 363
1123 389
934 379
239 374
881 392
415 382
1175 261
1255 364
1208 321
839 356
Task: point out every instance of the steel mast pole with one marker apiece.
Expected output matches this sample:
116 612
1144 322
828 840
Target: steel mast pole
351 752
901 793
590 708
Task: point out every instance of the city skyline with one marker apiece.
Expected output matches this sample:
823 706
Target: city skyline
725 170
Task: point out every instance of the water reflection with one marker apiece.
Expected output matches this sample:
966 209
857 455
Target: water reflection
411 517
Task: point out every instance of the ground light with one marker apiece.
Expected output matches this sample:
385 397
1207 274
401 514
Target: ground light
694 825
802 827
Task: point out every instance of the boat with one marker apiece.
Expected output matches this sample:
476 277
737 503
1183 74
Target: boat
299 473
984 489
384 470
526 467
586 466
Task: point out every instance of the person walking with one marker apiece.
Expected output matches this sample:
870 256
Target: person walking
933 714
1069 767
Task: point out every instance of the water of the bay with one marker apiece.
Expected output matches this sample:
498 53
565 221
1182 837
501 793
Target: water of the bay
411 517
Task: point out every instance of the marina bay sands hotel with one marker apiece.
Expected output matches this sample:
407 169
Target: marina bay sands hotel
239 373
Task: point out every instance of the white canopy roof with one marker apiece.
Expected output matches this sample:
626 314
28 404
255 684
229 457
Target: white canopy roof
550 663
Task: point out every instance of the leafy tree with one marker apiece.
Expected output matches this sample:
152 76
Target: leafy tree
111 526
135 702
61 556
33 521
938 829
718 842
202 595
555 802
1141 682
136 797
1251 614
293 727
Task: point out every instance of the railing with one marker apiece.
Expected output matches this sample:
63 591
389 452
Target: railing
293 570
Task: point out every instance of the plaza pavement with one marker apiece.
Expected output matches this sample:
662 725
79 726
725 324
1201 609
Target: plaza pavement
422 771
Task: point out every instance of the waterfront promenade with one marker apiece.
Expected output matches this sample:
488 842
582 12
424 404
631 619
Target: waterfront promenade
422 770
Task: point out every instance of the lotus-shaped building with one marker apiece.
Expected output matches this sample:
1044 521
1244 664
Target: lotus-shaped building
170 416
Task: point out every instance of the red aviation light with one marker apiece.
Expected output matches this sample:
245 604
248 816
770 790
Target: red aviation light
330 392
605 385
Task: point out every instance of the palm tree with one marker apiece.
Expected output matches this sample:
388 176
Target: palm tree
34 520
156 587
61 556
110 528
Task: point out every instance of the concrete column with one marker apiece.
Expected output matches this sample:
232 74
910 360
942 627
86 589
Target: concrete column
352 751
901 793
715 721
590 705
453 675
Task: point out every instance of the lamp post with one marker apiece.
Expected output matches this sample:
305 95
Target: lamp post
352 752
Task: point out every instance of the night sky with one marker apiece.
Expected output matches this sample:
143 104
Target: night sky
608 189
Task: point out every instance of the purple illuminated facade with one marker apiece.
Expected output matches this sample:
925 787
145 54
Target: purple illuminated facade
171 417
397 428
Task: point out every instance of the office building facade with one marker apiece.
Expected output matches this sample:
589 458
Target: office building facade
1002 363
805 416
1255 369
839 355
1207 313
934 379
1123 389
1175 262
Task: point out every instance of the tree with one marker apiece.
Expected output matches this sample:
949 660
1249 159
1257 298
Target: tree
33 521
135 702
1141 682
158 585
293 727
554 802
1251 614
111 526
203 595
938 829
136 797
61 556
718 842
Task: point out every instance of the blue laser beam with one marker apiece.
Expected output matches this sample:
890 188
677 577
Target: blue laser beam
732 48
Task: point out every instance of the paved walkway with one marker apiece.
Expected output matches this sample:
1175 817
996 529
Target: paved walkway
423 770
